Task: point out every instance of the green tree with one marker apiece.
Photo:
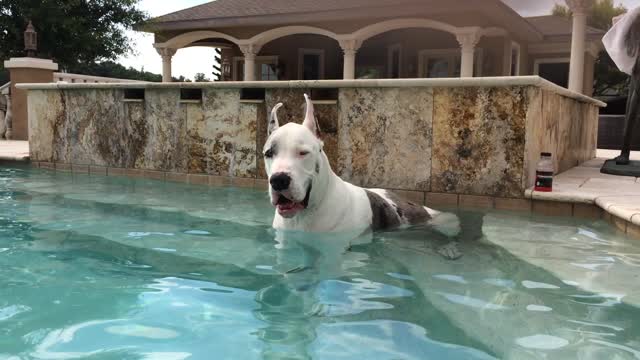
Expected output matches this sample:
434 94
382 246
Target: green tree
600 15
608 79
217 64
113 69
200 77
74 33
181 78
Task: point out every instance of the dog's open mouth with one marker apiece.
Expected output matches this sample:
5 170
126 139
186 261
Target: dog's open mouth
287 207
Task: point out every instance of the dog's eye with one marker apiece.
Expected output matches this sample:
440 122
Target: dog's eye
303 153
268 154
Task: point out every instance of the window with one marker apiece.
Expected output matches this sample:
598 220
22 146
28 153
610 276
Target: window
310 64
394 61
554 70
266 68
310 67
440 63
268 72
441 67
370 72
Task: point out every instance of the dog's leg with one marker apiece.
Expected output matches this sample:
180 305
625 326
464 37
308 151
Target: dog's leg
445 223
470 230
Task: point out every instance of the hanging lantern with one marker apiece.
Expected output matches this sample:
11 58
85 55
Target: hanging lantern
30 40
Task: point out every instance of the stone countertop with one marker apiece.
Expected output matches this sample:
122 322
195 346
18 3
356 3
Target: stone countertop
498 81
11 150
618 195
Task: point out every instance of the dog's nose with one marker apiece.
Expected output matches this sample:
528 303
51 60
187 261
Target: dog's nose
280 181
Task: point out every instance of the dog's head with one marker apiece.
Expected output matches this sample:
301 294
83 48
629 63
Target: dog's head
293 160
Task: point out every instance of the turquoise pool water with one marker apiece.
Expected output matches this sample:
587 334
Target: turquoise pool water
114 268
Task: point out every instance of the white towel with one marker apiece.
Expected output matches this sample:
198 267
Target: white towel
614 41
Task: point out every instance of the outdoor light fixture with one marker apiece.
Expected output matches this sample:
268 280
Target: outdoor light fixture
30 40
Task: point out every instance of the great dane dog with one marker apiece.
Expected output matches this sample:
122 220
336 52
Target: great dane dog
309 196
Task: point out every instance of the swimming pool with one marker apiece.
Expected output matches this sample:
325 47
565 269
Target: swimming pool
117 268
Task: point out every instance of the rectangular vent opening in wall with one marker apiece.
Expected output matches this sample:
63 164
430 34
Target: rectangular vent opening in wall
191 94
252 94
324 94
134 94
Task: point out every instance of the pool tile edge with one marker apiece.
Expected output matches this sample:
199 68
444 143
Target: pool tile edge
545 204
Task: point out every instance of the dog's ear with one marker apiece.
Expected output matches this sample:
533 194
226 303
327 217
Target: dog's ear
273 119
310 118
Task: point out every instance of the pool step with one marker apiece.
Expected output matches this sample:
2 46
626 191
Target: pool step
238 234
214 241
244 206
161 263
519 298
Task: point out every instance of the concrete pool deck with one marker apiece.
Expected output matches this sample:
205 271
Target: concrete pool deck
618 196
14 150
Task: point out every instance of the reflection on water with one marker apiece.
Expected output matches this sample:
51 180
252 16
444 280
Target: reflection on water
108 268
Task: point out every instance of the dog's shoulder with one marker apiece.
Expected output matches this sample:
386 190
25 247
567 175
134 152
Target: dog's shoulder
390 210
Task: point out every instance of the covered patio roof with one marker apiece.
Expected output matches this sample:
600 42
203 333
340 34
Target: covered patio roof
257 13
558 28
251 24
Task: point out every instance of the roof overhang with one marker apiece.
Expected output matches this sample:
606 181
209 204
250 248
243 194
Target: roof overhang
497 12
593 47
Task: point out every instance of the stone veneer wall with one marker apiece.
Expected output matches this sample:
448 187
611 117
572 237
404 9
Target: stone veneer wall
476 140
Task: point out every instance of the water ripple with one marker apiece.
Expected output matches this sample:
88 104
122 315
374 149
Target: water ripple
8 312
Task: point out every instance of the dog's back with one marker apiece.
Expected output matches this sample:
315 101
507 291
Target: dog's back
391 211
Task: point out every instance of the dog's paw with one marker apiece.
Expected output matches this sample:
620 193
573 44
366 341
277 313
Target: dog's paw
445 223
450 251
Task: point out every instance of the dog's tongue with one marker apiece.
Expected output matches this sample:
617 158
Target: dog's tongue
289 209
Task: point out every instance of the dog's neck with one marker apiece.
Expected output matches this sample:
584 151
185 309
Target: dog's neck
322 184
327 178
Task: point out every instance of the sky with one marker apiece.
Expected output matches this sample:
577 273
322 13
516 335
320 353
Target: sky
188 62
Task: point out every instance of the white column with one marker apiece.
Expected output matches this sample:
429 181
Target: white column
250 51
249 67
350 49
468 42
579 9
167 55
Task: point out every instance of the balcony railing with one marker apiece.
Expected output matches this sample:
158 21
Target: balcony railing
82 79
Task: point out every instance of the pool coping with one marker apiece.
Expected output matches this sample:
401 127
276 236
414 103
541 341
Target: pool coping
545 204
492 81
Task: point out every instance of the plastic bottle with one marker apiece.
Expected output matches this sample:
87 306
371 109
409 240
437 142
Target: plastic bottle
544 173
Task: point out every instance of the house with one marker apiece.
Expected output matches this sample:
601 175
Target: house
347 39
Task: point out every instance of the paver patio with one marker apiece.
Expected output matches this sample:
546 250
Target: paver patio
12 150
618 195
